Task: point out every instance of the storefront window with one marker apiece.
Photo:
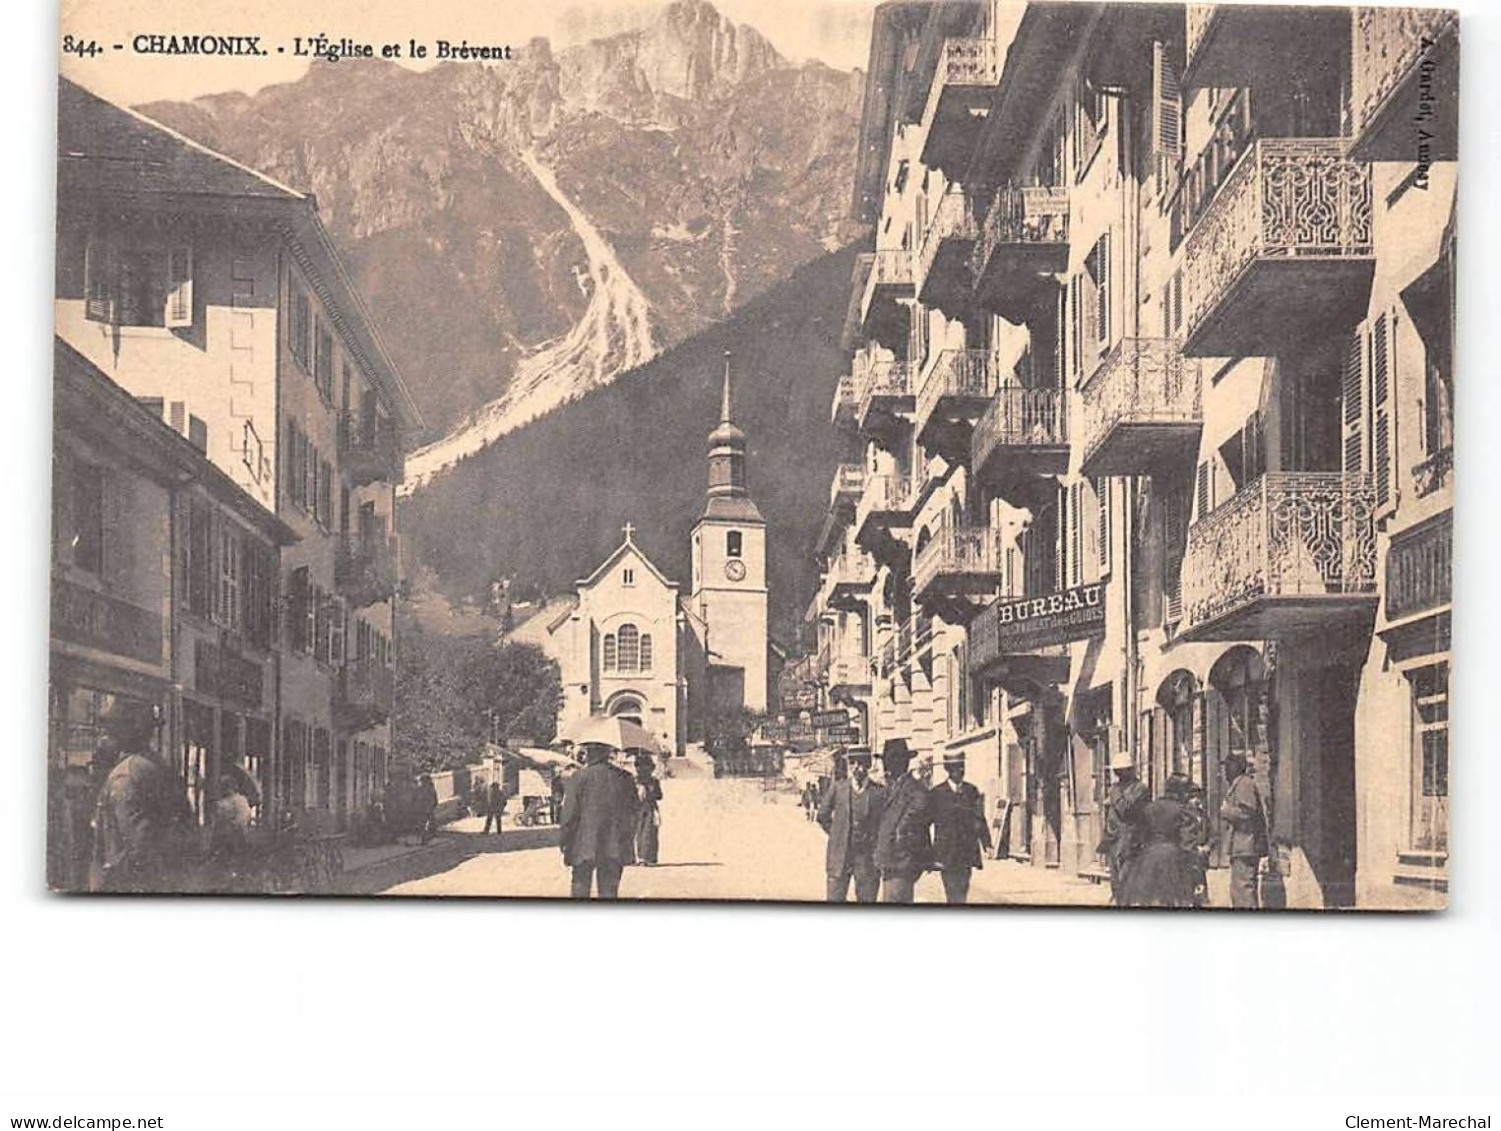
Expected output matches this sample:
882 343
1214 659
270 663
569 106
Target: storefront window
197 754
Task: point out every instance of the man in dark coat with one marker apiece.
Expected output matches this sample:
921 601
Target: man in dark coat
1245 832
495 807
598 829
427 807
959 830
850 813
145 835
903 848
1125 809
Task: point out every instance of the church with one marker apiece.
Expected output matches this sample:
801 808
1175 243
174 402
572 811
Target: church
632 645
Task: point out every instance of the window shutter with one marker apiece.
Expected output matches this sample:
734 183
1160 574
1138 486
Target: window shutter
338 629
1060 540
1102 531
1075 322
96 281
1167 113
1352 389
1102 293
1076 533
1381 439
179 310
1203 496
1172 557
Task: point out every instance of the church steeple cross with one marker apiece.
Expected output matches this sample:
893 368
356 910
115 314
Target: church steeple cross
628 530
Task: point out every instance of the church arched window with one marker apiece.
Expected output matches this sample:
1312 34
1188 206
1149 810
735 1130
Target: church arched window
629 638
733 543
646 651
609 652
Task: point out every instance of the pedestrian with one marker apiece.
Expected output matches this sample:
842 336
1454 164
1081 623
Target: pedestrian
1244 815
1196 844
495 807
648 813
850 812
1124 806
1162 875
959 830
145 834
598 824
233 796
903 847
427 807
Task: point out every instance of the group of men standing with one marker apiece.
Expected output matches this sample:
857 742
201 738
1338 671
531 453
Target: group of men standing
884 836
1158 850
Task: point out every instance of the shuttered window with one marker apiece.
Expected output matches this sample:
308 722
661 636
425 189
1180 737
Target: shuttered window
1204 491
1102 525
1381 422
1076 533
1075 343
1173 535
1352 390
179 286
1167 114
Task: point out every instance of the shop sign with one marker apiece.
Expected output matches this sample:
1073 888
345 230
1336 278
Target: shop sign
95 620
226 674
845 735
822 720
1026 624
800 699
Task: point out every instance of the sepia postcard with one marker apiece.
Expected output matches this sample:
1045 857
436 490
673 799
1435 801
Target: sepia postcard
928 451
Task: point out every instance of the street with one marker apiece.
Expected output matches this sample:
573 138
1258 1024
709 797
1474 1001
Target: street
721 839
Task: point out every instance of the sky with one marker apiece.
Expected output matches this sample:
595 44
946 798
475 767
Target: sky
836 32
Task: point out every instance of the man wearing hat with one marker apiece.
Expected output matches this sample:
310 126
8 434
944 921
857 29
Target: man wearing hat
903 849
959 830
598 829
145 835
1245 832
1125 809
850 813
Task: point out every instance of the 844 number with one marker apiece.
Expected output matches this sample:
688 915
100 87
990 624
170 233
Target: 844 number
83 48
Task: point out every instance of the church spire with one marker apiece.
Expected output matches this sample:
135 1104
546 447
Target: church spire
724 408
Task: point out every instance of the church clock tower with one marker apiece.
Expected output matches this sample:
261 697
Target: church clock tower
729 572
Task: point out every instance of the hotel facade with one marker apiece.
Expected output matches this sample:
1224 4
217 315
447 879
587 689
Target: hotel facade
1147 432
213 296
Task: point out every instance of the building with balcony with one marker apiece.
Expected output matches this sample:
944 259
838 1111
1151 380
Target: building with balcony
163 609
214 295
1174 479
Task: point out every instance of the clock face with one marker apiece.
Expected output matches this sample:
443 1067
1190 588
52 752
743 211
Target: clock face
734 569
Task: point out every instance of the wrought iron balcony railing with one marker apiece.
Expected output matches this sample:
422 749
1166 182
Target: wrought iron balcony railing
1289 200
955 373
847 485
955 221
970 551
846 398
1143 398
1298 539
1030 214
1390 49
890 270
365 692
368 450
365 569
1022 418
884 380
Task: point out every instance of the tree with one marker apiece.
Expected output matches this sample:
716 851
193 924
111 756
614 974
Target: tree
447 687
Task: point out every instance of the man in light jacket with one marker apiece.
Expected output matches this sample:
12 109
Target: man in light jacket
1245 832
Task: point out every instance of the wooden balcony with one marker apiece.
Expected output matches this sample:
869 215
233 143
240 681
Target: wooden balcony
954 394
1022 246
959 100
943 271
365 569
364 694
846 487
883 517
1239 45
1404 77
368 451
884 317
1022 436
884 391
1292 553
1142 409
956 571
1282 255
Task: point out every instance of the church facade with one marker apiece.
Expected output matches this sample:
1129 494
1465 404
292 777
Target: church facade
633 646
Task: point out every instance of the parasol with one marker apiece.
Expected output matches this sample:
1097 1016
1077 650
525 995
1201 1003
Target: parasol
617 734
